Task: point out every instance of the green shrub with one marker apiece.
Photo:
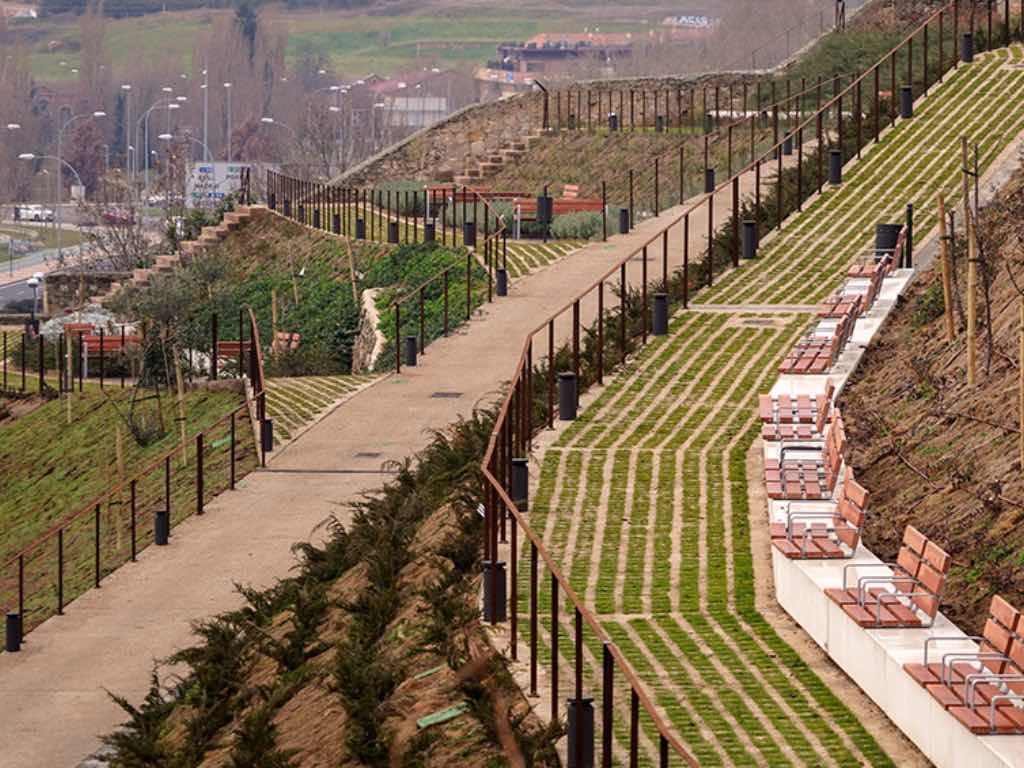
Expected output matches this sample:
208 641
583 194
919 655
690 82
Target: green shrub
581 225
929 306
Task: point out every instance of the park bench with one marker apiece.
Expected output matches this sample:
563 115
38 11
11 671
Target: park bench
96 344
806 536
812 476
795 417
73 329
984 688
232 350
817 352
559 206
872 272
908 596
285 341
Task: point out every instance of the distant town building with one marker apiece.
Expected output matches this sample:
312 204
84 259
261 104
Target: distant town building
421 98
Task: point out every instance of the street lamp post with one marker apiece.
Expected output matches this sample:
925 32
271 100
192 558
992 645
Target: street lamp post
127 90
227 89
206 113
60 139
144 121
33 283
271 121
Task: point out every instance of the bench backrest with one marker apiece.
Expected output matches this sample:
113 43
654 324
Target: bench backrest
1001 635
287 340
93 344
928 565
82 328
834 449
850 511
571 191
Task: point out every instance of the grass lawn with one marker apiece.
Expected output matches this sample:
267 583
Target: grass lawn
42 238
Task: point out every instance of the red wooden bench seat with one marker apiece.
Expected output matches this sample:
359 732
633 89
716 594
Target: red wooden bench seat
811 478
112 343
559 205
984 690
837 536
917 579
232 349
874 271
800 417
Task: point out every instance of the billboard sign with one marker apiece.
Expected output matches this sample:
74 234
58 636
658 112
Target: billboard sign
209 183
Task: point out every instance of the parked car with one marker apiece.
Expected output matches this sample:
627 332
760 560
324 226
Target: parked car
118 218
35 213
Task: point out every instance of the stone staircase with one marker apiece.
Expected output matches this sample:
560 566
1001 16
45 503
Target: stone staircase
209 237
489 165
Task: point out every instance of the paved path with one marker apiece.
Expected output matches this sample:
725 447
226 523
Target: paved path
54 690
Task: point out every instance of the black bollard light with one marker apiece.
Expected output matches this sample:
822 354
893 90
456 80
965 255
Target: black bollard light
272 201
967 48
267 435
709 180
613 121
302 213
316 218
410 350
501 281
12 632
906 102
581 732
749 239
567 399
494 582
360 229
161 527
287 208
429 232
336 224
469 234
521 483
623 221
708 123
393 232
835 167
659 314
659 124
787 145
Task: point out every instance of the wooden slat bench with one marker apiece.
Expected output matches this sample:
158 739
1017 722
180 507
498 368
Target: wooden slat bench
805 536
560 206
232 350
811 478
799 417
874 271
113 343
984 689
916 581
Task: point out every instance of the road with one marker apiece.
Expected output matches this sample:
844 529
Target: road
15 295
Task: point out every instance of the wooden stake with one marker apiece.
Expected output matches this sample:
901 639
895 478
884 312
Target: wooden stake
180 383
1021 386
119 455
972 287
964 174
352 271
273 318
947 273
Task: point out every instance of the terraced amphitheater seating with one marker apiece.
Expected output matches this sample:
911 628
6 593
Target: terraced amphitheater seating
806 536
982 690
813 476
800 417
907 596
